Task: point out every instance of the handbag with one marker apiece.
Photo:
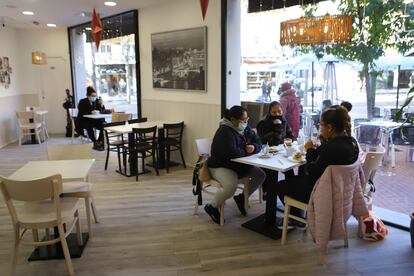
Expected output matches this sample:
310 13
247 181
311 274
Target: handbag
204 172
372 228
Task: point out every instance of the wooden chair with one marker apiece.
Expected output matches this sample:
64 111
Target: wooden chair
291 202
370 166
145 146
114 142
43 209
173 141
203 149
27 121
73 112
120 117
78 189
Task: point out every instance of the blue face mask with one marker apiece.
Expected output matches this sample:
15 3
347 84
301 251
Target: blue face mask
242 126
92 99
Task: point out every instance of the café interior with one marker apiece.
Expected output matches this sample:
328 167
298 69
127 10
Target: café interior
132 202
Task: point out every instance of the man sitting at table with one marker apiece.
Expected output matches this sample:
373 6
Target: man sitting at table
86 106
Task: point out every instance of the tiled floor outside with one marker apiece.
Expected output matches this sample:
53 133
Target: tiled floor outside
395 186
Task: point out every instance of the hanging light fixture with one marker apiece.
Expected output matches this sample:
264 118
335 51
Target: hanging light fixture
313 30
38 58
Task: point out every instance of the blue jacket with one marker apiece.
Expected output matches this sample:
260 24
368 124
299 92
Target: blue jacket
228 144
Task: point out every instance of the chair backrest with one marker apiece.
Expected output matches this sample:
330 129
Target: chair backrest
138 120
112 135
203 146
372 161
69 152
33 190
25 116
121 116
145 137
174 131
73 112
357 121
370 135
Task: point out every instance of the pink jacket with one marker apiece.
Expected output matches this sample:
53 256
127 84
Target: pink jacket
291 110
336 195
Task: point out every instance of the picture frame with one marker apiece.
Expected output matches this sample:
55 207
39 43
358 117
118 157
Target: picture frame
5 72
179 59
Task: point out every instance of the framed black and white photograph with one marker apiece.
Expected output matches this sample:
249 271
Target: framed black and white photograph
179 59
5 62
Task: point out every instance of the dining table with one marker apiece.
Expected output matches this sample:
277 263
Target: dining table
70 170
265 224
127 129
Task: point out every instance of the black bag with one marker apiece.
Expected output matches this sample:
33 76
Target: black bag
196 182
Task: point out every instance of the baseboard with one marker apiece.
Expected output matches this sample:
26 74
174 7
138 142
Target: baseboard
8 143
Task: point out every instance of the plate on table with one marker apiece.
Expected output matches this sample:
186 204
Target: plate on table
291 159
265 156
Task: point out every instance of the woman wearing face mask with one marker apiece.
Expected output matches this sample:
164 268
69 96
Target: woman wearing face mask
272 130
274 127
86 106
233 139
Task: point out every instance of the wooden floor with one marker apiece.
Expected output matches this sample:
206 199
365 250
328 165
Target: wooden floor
147 228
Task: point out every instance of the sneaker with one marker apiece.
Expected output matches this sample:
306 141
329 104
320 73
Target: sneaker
98 147
300 225
239 199
213 213
291 224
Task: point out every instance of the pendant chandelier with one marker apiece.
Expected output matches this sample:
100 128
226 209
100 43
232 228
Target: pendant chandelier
316 30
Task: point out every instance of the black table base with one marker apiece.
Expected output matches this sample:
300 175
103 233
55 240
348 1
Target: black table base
54 251
260 226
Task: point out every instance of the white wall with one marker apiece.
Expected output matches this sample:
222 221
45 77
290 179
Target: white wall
12 98
200 111
47 81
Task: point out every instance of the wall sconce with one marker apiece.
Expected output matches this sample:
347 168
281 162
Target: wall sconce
38 58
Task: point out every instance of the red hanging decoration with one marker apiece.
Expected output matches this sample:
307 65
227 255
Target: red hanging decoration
204 5
97 29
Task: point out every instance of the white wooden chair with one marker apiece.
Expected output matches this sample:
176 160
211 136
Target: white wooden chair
203 148
370 166
23 119
79 189
290 202
43 209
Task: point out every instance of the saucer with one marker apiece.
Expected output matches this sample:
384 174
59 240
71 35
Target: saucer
265 156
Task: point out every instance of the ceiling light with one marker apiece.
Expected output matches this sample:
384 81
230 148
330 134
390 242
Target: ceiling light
88 28
110 4
27 12
51 25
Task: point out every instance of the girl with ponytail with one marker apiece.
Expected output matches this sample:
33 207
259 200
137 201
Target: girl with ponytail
338 147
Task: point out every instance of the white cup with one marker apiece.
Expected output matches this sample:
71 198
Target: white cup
289 150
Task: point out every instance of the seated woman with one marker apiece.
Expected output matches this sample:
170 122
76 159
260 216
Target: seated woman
338 147
233 139
272 130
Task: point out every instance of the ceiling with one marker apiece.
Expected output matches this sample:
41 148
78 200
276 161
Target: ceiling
63 13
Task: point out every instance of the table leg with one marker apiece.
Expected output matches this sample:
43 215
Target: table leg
265 224
54 251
